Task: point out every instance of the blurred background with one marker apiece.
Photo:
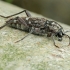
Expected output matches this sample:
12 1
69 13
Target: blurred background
55 9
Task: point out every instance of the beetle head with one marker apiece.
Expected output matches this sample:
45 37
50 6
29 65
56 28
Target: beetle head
59 34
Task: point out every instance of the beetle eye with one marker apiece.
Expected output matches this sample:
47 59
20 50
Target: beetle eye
60 34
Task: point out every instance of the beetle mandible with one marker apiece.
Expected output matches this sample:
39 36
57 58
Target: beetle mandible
36 25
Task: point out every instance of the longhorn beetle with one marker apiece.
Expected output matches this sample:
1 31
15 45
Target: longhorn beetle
36 25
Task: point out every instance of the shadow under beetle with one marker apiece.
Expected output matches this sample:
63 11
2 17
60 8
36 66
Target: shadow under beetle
36 25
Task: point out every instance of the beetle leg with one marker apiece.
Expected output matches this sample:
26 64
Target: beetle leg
31 31
7 22
3 26
54 41
27 13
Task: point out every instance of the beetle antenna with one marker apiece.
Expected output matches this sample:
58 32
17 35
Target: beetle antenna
68 37
66 31
3 26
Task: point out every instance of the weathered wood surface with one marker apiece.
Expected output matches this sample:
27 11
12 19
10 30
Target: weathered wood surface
34 52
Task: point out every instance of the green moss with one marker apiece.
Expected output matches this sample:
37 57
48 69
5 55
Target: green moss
1 68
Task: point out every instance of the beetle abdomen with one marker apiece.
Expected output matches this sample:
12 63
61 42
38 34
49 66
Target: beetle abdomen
15 23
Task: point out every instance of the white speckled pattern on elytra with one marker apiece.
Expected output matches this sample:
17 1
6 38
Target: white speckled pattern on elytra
32 53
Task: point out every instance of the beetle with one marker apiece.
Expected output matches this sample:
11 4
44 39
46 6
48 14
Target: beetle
36 25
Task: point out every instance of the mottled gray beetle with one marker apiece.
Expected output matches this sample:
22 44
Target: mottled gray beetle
35 25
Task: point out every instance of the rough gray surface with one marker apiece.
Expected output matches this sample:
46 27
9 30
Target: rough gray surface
34 52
